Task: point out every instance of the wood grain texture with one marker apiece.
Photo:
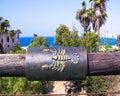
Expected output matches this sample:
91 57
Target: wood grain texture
12 65
104 63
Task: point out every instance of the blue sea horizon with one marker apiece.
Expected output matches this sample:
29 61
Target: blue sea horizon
25 41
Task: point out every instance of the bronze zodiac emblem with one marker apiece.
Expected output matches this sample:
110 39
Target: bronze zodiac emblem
59 59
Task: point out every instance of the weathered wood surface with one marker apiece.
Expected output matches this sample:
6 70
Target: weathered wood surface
98 64
12 65
104 63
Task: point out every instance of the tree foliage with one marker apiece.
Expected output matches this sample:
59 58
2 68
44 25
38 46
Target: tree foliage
118 41
83 16
18 31
65 37
5 25
38 41
94 84
19 85
74 38
89 41
96 15
17 50
62 37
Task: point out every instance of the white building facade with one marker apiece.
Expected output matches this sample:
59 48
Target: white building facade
7 41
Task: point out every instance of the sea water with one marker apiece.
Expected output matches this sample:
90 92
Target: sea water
25 41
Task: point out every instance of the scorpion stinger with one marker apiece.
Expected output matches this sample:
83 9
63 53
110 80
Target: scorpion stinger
77 57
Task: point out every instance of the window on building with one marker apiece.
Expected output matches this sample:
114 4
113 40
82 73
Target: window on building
7 39
1 49
13 40
1 40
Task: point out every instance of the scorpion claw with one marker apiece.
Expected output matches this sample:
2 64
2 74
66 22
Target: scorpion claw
46 50
45 67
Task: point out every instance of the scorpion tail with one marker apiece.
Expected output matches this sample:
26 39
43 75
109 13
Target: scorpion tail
78 58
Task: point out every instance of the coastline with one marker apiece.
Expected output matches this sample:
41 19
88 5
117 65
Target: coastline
24 47
25 41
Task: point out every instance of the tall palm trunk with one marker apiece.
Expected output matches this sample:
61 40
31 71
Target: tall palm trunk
97 31
97 24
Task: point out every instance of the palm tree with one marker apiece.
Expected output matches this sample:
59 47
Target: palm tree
11 32
97 22
99 14
1 19
35 35
101 4
99 17
4 26
18 31
83 16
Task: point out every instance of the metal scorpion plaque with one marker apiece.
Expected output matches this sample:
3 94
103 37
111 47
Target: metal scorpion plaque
56 63
59 59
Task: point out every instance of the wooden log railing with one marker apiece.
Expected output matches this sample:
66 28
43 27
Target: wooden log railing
104 63
12 65
98 64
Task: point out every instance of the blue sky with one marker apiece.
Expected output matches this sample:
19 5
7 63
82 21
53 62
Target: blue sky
44 16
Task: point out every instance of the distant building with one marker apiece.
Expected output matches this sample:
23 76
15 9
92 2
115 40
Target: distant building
7 41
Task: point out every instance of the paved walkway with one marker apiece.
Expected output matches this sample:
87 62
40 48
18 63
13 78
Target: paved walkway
59 87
